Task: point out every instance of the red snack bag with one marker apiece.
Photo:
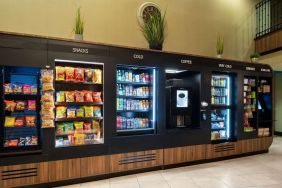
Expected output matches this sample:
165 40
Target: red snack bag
20 105
31 105
26 89
30 120
87 126
19 122
69 73
79 96
79 74
69 96
88 96
97 97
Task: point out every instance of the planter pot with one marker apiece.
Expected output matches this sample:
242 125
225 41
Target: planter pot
254 60
78 37
156 46
219 55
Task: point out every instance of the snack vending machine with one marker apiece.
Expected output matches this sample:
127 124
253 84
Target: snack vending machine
20 127
220 107
135 103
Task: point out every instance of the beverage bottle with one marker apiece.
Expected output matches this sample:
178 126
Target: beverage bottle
117 75
143 78
126 91
130 76
122 76
134 92
212 100
118 107
137 78
126 76
147 78
118 122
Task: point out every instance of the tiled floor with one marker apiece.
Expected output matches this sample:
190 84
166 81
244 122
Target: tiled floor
258 171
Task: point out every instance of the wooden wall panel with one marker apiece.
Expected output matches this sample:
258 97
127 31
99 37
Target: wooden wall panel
22 175
199 152
136 160
221 150
175 155
64 169
271 41
92 166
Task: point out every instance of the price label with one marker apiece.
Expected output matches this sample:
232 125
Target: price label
227 66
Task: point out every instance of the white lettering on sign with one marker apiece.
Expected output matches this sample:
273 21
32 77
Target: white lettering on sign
264 70
251 68
186 61
225 66
138 56
80 50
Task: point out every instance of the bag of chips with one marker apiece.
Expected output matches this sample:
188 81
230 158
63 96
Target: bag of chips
79 74
78 126
10 105
96 126
47 114
88 110
17 88
20 105
80 111
61 112
69 96
9 121
69 73
47 123
31 104
87 126
47 76
79 96
22 141
60 96
97 76
68 127
47 97
13 143
34 140
47 87
97 111
88 75
59 128
19 122
33 89
88 96
47 105
71 112
60 73
79 139
30 120
28 141
97 97
26 89
8 88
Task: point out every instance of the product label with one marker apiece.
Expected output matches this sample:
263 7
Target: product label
138 56
186 61
250 68
225 66
264 70
80 50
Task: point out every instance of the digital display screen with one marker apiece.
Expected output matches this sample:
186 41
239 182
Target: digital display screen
182 98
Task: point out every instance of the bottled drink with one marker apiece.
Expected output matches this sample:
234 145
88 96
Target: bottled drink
130 76
122 76
126 76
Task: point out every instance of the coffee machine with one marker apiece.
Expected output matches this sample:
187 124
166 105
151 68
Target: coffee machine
179 106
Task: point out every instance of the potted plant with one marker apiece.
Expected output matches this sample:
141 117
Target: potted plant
153 29
79 25
254 57
219 46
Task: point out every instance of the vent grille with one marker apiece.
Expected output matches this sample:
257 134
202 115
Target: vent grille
137 158
224 147
20 173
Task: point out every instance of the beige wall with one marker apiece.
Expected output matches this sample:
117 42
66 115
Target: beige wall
192 24
273 59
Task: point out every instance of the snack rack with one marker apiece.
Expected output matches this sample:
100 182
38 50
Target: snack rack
78 103
21 107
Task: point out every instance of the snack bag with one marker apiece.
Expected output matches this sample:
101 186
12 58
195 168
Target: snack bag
88 73
61 112
96 126
17 88
97 111
47 114
34 140
68 127
79 96
47 123
10 105
97 76
28 141
22 141
69 73
33 89
69 96
80 111
8 88
79 139
26 89
78 126
30 120
97 97
60 73
9 121
47 105
71 112
88 96
59 128
79 74
31 104
47 76
60 96
87 126
19 122
88 111
47 97
47 87
13 143
20 105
